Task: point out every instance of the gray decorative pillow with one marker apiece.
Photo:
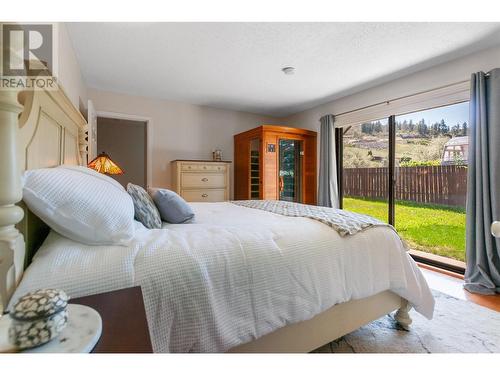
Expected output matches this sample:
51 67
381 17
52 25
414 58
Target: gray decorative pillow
144 207
173 208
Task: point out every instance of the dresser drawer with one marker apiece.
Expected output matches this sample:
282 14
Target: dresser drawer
203 180
187 167
209 195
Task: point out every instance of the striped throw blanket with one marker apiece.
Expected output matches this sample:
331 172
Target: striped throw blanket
344 222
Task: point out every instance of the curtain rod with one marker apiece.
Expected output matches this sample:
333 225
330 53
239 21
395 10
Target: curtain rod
401 97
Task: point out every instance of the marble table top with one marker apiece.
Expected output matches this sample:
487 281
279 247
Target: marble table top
81 334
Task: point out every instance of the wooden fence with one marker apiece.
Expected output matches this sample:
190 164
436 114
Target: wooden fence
445 184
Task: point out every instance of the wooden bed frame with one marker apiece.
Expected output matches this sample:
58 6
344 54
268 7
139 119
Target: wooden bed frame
43 129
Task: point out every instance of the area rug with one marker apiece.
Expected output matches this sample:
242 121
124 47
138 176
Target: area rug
458 327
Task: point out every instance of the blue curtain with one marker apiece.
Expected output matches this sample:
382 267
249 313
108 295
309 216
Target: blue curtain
482 274
327 189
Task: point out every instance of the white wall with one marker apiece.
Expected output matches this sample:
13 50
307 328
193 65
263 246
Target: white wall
180 130
437 76
69 74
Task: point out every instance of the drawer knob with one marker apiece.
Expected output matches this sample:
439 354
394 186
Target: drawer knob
204 179
204 195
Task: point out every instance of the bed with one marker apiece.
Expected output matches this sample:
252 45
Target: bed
237 279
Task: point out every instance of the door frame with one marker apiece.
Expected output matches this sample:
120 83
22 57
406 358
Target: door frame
149 138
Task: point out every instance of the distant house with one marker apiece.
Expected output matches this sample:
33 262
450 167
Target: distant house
456 150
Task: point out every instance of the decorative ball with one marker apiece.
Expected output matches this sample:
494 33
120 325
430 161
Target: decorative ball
38 317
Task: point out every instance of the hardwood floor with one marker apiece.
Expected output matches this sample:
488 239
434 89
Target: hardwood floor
451 284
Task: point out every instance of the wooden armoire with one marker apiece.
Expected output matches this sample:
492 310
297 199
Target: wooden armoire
275 162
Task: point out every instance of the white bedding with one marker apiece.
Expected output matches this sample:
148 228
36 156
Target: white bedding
234 274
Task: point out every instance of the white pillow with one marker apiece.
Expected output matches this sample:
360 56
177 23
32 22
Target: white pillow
92 172
80 204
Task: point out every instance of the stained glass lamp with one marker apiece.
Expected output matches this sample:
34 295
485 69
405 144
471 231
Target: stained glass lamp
103 164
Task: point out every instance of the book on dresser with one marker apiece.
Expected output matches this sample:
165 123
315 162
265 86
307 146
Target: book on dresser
201 180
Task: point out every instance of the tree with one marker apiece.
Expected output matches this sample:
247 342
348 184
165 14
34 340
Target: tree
404 126
422 128
435 129
443 128
456 130
411 126
367 128
464 128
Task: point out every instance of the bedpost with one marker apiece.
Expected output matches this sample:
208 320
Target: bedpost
402 316
11 241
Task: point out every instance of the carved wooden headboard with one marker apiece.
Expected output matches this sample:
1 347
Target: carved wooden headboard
38 129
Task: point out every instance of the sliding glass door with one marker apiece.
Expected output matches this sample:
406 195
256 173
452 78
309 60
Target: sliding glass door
411 171
365 169
431 181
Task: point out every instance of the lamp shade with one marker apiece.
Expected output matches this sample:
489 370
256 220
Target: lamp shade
103 164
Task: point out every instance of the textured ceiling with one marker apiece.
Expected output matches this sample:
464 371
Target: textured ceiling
238 65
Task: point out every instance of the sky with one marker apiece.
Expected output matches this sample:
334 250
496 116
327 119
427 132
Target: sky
451 115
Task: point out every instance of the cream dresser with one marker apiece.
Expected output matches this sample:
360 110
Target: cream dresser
201 181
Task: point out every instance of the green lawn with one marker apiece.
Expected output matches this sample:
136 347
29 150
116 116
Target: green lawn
430 228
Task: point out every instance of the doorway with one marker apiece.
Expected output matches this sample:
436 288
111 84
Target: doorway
125 141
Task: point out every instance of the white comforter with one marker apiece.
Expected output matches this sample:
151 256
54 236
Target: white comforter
234 275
